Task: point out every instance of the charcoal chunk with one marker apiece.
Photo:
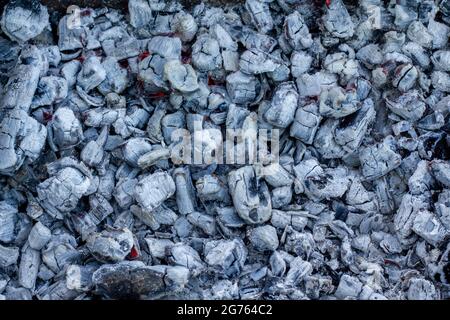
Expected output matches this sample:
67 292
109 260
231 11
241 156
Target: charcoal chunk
127 280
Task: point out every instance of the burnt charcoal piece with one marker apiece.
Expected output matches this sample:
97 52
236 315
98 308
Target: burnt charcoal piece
227 256
127 280
337 20
8 218
352 129
140 13
110 245
408 105
152 190
251 197
260 15
264 238
282 108
60 193
377 160
23 20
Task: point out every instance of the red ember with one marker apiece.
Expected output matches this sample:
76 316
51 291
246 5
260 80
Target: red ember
144 55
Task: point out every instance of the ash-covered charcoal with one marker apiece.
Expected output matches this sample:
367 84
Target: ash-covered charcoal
300 63
349 287
421 289
206 54
441 171
352 129
296 220
405 77
311 85
69 180
50 90
186 256
92 73
64 130
133 149
211 188
443 208
140 13
39 236
226 256
152 190
182 77
79 278
440 81
429 227
296 31
337 20
29 267
306 122
260 15
256 62
185 192
24 20
264 238
111 245
116 79
185 25
338 103
262 149
8 256
318 183
282 108
21 86
92 153
379 159
22 139
250 195
409 105
8 219
241 87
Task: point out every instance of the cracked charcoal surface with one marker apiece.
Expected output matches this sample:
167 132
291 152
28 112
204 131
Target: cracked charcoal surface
94 204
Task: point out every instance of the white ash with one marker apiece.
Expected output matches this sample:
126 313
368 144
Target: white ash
96 203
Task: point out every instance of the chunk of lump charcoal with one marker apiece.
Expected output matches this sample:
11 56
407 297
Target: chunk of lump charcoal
101 196
264 238
250 195
153 190
24 20
111 245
